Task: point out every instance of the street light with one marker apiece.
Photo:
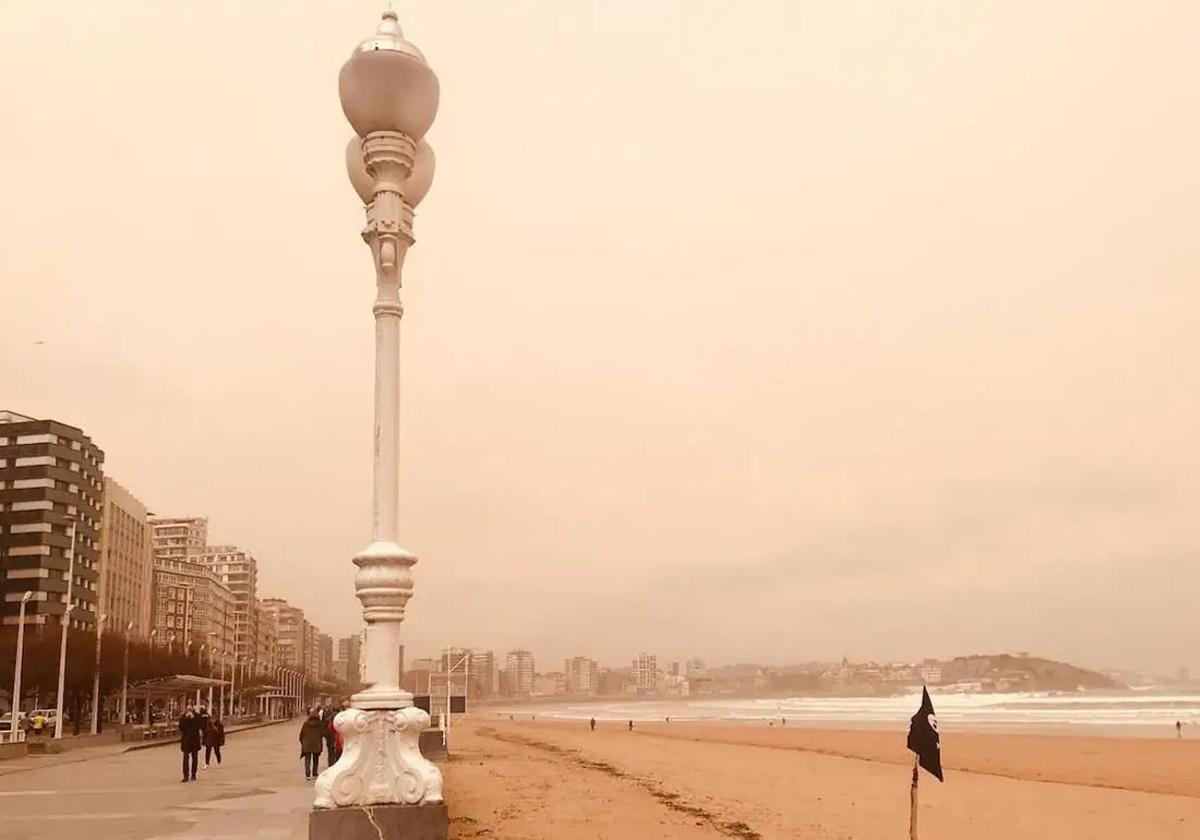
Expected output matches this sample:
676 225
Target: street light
390 97
211 633
232 682
224 656
66 625
125 672
16 695
96 677
200 666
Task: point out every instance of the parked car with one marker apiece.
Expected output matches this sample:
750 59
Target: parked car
6 721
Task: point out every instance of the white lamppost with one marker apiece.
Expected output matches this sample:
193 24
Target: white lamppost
96 677
211 633
200 667
232 682
390 96
62 651
16 695
125 673
224 654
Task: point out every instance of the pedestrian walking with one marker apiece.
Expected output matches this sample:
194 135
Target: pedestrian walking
328 713
1178 729
312 739
338 743
202 724
189 743
214 739
630 726
593 724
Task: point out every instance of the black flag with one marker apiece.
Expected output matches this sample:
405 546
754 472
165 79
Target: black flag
923 737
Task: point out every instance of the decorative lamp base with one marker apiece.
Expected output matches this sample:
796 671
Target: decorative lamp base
381 763
381 822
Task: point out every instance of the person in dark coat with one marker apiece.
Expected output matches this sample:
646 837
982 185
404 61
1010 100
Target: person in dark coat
189 743
328 713
312 740
214 739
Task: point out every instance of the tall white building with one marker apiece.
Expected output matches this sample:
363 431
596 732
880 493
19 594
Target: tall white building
645 672
519 671
179 537
126 562
582 675
485 674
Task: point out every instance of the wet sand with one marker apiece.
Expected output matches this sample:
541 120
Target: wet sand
532 779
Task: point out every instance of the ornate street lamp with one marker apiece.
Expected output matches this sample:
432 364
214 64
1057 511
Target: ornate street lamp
390 96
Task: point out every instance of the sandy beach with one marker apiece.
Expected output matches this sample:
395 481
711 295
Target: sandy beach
521 780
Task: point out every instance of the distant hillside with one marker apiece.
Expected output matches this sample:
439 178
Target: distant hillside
1025 672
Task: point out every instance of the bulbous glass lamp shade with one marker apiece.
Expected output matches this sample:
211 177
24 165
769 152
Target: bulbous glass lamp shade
387 86
418 184
359 179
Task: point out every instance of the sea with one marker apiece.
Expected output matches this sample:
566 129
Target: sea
1140 712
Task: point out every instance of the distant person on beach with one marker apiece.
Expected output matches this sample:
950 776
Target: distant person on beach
593 724
1178 729
214 739
312 740
783 722
189 743
630 726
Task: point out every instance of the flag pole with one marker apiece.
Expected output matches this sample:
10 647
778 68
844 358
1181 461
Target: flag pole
912 815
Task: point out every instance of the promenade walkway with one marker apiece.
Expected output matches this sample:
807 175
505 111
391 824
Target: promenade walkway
258 793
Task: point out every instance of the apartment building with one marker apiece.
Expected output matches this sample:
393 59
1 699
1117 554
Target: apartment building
582 675
519 673
51 510
178 537
238 570
126 589
193 608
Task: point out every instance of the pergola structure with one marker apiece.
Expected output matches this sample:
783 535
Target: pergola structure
176 686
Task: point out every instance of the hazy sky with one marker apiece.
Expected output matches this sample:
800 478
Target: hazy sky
754 331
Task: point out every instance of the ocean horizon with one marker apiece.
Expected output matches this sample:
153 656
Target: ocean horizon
1142 712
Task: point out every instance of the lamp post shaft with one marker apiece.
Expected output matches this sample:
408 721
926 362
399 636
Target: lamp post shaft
16 695
62 650
125 680
96 679
384 582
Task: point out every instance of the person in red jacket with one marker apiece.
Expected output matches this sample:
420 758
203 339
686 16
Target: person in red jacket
214 739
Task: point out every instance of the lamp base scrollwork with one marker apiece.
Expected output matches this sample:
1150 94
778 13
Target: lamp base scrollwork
381 761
